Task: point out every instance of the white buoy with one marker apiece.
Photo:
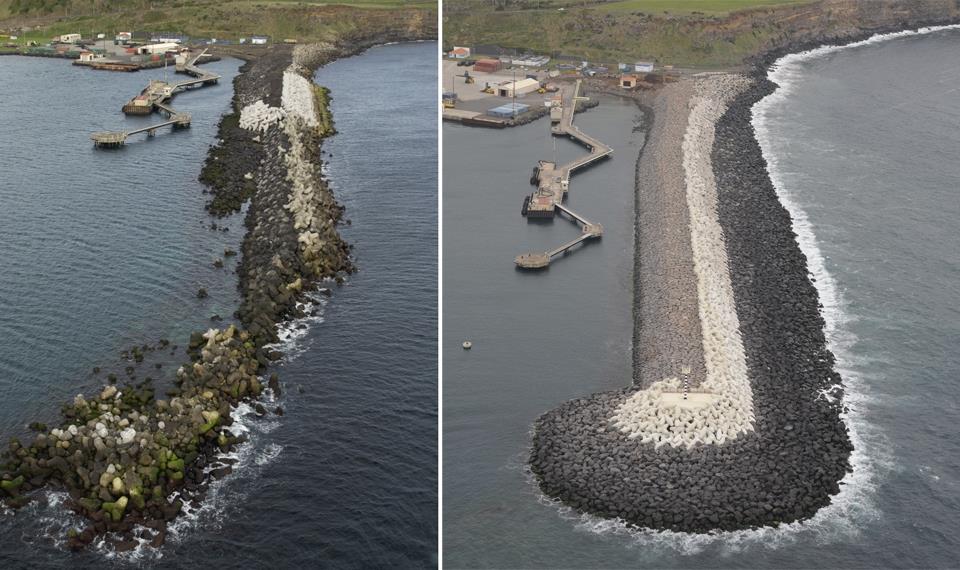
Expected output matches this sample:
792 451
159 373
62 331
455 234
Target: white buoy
467 344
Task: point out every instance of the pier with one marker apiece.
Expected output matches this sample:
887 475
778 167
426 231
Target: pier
553 182
156 97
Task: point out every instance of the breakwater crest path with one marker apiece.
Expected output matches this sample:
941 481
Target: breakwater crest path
674 410
553 181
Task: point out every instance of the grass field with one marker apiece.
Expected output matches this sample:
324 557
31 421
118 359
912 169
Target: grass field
692 7
702 34
231 20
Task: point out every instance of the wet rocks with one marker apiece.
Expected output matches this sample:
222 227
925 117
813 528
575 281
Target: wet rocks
122 454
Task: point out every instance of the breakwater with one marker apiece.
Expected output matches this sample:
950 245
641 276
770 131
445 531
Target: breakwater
767 445
131 461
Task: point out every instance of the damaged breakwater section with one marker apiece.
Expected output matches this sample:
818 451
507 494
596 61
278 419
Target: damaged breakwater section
713 445
131 462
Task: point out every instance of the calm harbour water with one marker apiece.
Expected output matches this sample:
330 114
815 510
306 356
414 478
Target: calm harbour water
119 242
865 158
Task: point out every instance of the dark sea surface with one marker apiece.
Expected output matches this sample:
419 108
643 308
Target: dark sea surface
863 143
97 257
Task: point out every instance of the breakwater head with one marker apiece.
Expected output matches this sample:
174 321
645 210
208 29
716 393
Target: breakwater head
553 182
156 97
733 420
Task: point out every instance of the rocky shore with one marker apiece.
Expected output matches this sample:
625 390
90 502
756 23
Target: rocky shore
769 446
131 460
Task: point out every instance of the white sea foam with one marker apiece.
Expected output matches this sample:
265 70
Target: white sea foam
227 493
142 551
292 332
222 495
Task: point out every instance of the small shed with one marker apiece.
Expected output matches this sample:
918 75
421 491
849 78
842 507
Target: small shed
459 52
259 40
487 65
628 81
86 55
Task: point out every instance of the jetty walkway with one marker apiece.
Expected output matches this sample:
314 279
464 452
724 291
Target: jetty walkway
553 182
156 97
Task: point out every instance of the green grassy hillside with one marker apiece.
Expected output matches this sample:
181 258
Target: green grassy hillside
280 19
705 34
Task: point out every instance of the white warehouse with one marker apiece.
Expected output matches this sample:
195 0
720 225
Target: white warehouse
157 48
518 88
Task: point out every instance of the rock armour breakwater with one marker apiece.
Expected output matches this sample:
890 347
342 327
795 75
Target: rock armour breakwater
131 461
792 462
292 240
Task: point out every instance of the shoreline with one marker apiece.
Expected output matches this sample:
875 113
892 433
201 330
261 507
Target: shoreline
792 464
133 463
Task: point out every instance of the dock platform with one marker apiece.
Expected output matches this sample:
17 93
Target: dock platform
156 97
553 183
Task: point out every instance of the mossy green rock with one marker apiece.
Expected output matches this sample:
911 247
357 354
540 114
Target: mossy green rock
90 505
12 486
116 509
137 499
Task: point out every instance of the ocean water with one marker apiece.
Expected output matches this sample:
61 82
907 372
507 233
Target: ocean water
539 338
862 143
347 476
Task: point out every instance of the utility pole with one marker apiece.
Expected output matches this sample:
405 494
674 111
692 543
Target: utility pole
514 92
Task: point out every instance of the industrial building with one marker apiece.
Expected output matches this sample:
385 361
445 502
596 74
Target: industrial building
518 88
643 67
530 61
508 110
151 49
168 38
69 38
259 40
487 65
